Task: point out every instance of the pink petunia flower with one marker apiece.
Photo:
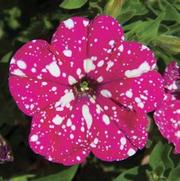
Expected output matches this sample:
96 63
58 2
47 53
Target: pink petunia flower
167 115
87 91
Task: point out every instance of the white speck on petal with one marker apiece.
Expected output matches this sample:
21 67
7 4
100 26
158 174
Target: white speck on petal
87 116
34 138
85 23
54 88
131 152
78 158
96 140
44 83
144 47
13 61
19 73
57 120
100 63
129 93
69 123
94 143
71 80
53 69
177 134
137 99
67 53
65 100
141 105
106 93
121 48
106 119
123 141
89 65
71 136
100 79
109 65
21 64
78 71
143 68
33 70
69 23
111 43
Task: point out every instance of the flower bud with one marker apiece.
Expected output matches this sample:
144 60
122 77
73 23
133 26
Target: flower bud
113 7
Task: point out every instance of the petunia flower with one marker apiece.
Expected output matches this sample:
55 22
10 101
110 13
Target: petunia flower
167 115
87 91
5 151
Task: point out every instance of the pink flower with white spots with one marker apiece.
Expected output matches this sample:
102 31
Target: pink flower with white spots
167 115
87 91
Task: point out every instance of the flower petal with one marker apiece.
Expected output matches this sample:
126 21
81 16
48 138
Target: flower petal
34 60
128 59
107 141
34 95
131 123
70 44
172 78
167 118
59 134
143 93
104 35
135 59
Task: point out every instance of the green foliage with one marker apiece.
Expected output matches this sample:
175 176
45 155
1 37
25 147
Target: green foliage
113 8
65 175
11 17
161 156
22 178
156 23
122 177
73 4
174 175
131 9
6 57
144 31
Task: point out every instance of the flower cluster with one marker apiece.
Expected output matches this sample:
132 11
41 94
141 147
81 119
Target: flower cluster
167 115
88 91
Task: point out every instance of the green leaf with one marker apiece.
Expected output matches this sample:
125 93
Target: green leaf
65 175
73 4
172 14
122 176
131 9
6 58
12 17
144 31
22 178
160 154
174 174
160 168
169 43
1 29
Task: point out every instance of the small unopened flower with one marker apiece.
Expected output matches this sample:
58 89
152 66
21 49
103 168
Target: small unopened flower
87 91
5 151
167 115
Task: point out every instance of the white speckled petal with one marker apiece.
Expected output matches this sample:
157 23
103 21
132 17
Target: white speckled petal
69 42
167 118
142 93
61 133
34 95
